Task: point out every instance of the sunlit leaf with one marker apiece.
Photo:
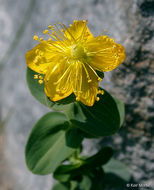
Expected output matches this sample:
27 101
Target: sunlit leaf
102 119
46 146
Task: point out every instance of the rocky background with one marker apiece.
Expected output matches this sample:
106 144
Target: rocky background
131 24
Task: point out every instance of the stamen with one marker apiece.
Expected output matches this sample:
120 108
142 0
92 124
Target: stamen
77 98
83 31
100 92
99 79
101 51
78 80
40 77
55 83
103 32
68 32
97 99
53 69
60 48
36 51
49 40
57 90
36 60
35 37
88 77
49 26
58 36
80 87
61 33
61 85
45 31
40 81
35 76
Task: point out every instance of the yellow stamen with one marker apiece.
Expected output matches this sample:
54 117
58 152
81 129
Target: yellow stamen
45 31
99 79
66 72
77 98
35 37
88 77
97 99
40 81
49 26
40 77
101 92
68 32
35 76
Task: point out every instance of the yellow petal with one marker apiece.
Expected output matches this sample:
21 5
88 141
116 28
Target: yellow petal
78 31
85 83
105 54
57 80
39 58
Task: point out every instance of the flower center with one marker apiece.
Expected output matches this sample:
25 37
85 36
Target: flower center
78 52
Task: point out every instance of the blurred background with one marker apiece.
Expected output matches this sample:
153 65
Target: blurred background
129 23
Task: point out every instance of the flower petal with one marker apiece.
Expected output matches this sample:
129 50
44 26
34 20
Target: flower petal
105 54
85 91
39 58
57 80
78 31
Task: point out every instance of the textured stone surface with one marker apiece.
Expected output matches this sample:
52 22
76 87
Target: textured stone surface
130 23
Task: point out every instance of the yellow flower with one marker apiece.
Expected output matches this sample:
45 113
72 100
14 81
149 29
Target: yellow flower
70 58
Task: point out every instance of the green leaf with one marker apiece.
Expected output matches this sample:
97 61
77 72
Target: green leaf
85 184
121 109
117 168
46 146
97 179
84 166
102 119
74 185
37 91
74 137
60 186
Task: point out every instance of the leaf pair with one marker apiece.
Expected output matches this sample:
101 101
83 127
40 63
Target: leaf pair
65 173
114 175
55 136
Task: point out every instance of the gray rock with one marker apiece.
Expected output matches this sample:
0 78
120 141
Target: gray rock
131 24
